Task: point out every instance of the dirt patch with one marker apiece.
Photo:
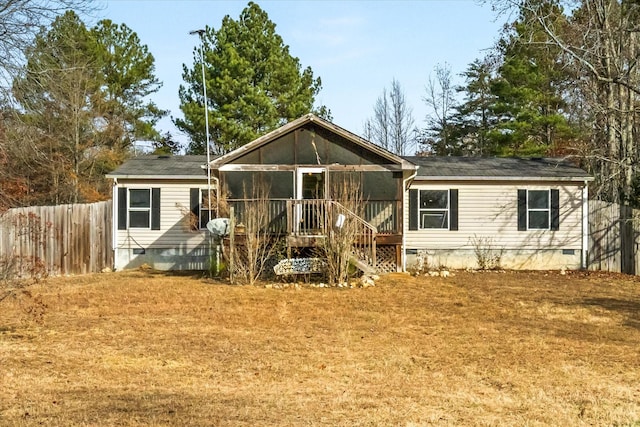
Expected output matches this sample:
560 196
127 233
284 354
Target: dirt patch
144 348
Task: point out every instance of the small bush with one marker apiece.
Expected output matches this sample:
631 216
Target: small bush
487 255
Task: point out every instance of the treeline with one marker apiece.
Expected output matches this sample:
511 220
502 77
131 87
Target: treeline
72 110
562 81
75 98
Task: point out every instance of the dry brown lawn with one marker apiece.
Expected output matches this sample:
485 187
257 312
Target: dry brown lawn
143 348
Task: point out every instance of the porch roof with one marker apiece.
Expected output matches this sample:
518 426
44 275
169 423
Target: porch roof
496 169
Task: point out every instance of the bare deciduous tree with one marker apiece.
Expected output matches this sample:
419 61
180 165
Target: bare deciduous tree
440 98
392 124
251 254
20 21
380 124
600 43
402 123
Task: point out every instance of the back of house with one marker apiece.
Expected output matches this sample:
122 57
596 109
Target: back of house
419 211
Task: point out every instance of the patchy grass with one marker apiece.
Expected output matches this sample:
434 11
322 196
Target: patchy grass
141 348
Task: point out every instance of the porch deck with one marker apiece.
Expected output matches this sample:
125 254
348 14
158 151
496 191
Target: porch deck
307 222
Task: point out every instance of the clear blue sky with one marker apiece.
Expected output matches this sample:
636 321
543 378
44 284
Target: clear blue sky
356 47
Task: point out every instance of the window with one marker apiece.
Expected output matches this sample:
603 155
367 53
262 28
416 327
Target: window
140 208
205 215
433 209
199 208
538 209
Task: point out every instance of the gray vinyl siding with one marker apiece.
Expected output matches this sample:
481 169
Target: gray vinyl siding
487 210
174 229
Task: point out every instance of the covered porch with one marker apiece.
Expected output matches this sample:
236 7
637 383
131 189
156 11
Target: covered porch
319 178
373 228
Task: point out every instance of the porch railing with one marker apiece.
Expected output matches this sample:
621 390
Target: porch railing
312 217
382 214
317 217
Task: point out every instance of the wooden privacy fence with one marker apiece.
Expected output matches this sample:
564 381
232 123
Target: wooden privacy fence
63 239
614 237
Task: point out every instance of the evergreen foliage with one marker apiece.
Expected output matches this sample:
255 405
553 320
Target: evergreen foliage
81 105
528 92
474 117
254 84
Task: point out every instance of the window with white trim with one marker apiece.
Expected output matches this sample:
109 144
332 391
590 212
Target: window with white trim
538 209
139 208
433 209
204 214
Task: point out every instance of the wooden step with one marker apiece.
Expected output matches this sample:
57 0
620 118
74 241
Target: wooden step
363 266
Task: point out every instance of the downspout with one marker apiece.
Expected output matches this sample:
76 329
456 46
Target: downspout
585 225
405 187
217 180
114 222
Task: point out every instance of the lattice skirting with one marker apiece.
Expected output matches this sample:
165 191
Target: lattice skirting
386 258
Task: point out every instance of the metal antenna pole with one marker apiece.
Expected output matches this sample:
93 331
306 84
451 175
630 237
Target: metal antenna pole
200 33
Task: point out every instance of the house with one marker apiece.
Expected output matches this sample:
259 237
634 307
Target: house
524 213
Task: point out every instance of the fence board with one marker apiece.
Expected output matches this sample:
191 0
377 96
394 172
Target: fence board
614 237
65 239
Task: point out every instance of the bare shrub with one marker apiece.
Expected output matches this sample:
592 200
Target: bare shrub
219 208
219 205
488 256
23 229
18 271
423 263
339 248
252 251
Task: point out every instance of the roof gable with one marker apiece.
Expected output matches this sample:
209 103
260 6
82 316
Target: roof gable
311 140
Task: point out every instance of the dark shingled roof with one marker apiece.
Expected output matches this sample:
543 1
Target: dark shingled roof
154 166
496 168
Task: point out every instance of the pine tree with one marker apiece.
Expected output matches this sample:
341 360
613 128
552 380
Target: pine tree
127 69
474 117
528 91
254 84
81 104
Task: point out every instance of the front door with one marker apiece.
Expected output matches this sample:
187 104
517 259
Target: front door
310 190
311 183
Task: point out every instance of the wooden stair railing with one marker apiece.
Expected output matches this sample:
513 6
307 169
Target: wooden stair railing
315 217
